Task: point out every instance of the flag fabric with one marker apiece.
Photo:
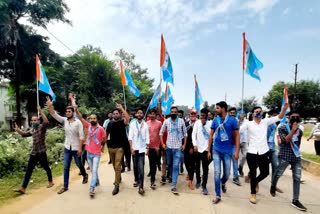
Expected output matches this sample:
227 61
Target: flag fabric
250 63
42 79
165 63
122 74
132 87
197 98
167 100
155 98
285 99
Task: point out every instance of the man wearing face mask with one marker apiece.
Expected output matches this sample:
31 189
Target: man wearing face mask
224 136
38 153
258 149
176 132
96 138
200 137
289 153
74 139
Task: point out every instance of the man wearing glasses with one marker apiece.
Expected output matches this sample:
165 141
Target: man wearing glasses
74 139
258 149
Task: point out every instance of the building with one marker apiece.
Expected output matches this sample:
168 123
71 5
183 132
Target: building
8 109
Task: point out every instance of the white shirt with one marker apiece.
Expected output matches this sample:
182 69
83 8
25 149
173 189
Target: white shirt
243 132
73 132
257 135
139 135
198 137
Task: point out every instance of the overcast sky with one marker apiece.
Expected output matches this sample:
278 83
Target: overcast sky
203 37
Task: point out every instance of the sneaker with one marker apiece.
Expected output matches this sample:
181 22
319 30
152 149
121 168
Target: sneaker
298 205
174 191
204 191
217 200
253 198
236 181
115 190
91 193
240 171
191 186
272 191
85 179
224 188
153 186
163 180
198 185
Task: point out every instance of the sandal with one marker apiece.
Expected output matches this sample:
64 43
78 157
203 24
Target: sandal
19 191
62 190
50 185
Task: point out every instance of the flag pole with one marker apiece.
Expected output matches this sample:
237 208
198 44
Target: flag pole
243 67
124 98
38 97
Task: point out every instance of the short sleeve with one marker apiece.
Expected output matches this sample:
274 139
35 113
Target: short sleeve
235 125
214 124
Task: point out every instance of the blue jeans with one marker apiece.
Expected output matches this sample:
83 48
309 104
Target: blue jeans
93 161
68 154
138 167
235 166
173 160
296 175
225 158
274 161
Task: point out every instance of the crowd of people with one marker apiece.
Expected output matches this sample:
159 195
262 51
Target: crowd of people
225 138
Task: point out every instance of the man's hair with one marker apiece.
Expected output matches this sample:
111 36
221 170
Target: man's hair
34 115
204 111
140 109
256 107
84 116
172 107
70 108
222 104
116 109
95 115
181 112
232 109
293 112
153 111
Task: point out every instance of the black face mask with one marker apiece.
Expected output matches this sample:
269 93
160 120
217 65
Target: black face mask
173 116
295 119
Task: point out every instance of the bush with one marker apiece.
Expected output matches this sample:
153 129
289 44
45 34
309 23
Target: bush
15 150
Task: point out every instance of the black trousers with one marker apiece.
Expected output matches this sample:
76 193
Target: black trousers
127 156
33 161
190 162
202 159
153 156
254 161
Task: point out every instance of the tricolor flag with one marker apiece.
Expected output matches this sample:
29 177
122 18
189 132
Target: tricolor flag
197 95
285 99
43 80
166 101
127 80
250 63
155 97
165 63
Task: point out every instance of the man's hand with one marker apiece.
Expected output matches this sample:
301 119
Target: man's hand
209 155
132 151
79 152
295 126
16 127
119 106
195 148
164 146
183 147
236 155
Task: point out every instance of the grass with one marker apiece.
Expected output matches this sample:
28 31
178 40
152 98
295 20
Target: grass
307 131
312 157
14 181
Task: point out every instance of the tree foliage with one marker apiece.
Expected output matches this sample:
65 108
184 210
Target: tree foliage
248 104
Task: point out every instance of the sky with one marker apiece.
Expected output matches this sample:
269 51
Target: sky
203 38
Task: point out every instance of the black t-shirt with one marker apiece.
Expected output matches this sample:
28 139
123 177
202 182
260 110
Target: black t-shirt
117 132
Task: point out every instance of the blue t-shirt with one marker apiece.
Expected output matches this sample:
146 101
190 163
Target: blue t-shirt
229 126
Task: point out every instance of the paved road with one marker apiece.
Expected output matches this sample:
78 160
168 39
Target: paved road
161 200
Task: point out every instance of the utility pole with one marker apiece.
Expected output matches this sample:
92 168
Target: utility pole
295 101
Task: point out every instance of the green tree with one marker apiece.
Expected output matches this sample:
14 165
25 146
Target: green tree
305 98
15 51
248 104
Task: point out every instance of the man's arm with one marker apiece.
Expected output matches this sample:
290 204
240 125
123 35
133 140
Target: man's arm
283 111
53 112
210 143
194 134
185 134
44 117
237 143
82 139
20 132
294 128
83 121
163 128
125 114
